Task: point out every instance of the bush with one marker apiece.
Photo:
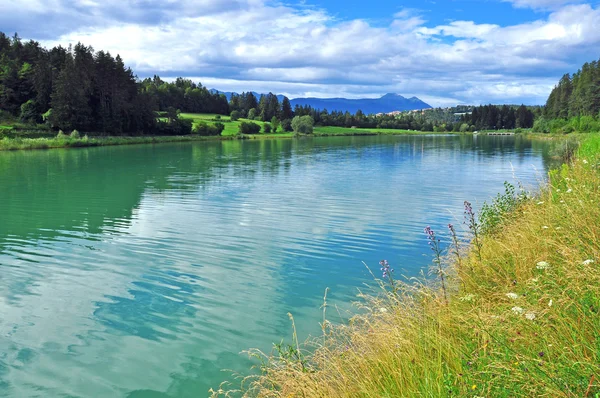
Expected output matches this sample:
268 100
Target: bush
29 113
303 124
235 115
249 128
266 128
252 114
75 134
205 129
175 127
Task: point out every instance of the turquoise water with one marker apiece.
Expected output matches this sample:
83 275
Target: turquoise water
143 271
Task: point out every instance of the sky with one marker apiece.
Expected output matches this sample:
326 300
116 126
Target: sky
446 52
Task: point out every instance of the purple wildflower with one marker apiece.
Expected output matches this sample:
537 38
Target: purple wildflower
385 267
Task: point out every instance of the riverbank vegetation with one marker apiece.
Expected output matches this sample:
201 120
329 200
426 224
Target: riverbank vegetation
514 314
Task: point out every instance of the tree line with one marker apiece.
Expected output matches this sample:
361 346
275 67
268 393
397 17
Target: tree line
77 88
577 95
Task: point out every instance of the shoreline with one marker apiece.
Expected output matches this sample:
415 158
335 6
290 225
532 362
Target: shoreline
66 142
519 295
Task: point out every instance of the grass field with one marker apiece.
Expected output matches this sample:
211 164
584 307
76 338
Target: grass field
231 128
522 318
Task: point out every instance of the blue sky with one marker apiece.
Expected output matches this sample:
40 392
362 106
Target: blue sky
445 52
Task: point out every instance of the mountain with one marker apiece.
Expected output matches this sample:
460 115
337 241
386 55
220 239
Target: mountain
229 93
388 103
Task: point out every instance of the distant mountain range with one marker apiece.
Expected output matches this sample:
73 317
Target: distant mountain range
388 103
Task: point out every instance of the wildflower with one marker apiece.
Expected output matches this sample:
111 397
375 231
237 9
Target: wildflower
542 265
535 280
541 354
530 316
558 228
385 267
545 227
474 387
585 161
588 262
384 310
558 190
550 303
569 190
540 203
468 297
516 363
512 296
517 310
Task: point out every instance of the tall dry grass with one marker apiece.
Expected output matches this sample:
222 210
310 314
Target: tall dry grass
522 320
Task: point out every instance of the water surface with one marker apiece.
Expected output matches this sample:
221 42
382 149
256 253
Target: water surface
143 271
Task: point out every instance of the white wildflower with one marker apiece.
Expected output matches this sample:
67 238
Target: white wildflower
517 310
530 316
545 227
383 310
585 161
588 262
550 303
558 190
562 201
542 265
540 203
569 190
535 280
512 296
468 297
558 228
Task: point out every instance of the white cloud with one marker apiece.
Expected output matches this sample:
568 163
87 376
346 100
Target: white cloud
255 45
542 4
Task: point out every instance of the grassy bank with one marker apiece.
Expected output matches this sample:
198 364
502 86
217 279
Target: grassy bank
521 319
9 144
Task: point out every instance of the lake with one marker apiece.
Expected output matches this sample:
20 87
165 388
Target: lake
144 271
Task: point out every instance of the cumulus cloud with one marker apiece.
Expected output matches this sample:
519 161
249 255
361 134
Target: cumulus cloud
265 46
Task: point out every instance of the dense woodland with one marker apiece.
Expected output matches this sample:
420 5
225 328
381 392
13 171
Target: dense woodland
77 88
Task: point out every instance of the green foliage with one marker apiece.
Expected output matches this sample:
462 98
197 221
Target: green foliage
577 95
235 115
249 128
266 128
286 125
175 127
206 129
275 123
503 206
75 134
303 124
29 113
252 114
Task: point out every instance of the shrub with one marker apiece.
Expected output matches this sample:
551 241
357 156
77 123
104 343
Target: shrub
235 115
266 128
303 124
249 128
75 134
29 113
252 114
205 129
61 135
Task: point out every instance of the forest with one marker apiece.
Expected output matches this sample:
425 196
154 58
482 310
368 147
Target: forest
574 103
